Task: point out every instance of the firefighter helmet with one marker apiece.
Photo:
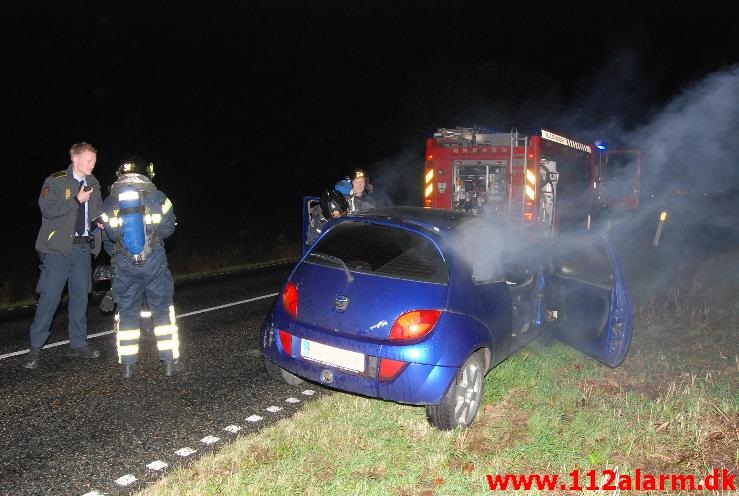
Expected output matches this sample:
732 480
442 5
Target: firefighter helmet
332 201
357 173
135 166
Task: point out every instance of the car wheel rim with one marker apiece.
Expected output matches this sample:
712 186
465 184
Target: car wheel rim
468 394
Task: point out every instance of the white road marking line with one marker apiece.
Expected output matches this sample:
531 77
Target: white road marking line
226 305
309 392
93 493
292 400
185 452
210 439
157 465
180 316
126 480
274 409
253 418
233 429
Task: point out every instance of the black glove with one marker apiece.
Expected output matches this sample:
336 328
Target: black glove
107 304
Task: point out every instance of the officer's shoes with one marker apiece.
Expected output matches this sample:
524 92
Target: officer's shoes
86 352
172 367
33 359
127 370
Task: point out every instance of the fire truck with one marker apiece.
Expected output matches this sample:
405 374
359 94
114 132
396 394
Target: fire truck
546 182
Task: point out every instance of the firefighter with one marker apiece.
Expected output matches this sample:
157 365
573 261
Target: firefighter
357 197
138 218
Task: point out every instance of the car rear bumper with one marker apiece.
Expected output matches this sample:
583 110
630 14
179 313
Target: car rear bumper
415 384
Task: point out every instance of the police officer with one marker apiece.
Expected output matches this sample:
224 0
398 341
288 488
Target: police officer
357 197
138 218
69 200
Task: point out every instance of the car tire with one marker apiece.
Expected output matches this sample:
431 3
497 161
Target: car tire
461 401
281 375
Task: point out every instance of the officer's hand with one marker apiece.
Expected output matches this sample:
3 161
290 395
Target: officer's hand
83 195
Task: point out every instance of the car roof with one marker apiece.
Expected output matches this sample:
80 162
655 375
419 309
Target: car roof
431 219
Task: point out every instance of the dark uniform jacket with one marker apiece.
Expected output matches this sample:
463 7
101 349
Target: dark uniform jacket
161 221
359 204
59 212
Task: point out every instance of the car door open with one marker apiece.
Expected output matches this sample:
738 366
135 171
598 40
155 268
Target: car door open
587 303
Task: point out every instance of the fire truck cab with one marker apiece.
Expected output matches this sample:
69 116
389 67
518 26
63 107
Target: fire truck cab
544 182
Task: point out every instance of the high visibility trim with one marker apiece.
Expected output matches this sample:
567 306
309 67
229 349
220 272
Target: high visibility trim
128 195
115 222
165 330
50 235
129 335
169 344
128 350
171 315
152 218
167 205
104 217
145 314
530 192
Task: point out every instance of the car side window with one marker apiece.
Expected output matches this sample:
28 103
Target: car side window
486 270
586 261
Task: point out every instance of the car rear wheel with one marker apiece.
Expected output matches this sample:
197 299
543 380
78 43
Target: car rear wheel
461 401
281 375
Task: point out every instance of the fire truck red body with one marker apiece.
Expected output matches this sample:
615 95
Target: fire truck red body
543 182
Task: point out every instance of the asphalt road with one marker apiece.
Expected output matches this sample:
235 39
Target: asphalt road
75 427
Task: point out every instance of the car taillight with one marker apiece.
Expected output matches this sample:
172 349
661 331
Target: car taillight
390 368
290 299
286 339
414 324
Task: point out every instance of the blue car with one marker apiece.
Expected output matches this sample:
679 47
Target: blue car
416 305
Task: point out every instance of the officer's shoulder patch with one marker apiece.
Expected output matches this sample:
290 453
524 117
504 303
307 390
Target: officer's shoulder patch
45 192
58 174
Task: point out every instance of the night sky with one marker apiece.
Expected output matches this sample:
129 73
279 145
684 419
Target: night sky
246 106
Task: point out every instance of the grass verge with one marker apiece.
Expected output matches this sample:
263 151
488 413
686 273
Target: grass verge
672 407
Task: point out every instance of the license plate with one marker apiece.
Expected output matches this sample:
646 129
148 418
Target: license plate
330 355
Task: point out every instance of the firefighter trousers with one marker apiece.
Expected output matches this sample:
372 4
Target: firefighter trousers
131 284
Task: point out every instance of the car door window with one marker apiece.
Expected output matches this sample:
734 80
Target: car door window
586 261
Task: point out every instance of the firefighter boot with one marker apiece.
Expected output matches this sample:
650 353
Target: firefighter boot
127 370
34 357
173 368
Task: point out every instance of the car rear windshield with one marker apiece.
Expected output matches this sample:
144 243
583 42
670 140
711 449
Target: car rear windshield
382 250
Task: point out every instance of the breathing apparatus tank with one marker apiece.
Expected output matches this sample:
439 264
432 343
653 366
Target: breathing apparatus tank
133 183
133 230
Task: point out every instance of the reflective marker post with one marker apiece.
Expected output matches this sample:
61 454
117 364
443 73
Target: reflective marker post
662 219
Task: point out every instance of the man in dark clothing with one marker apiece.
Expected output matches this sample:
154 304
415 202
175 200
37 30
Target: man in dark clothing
69 200
138 218
357 198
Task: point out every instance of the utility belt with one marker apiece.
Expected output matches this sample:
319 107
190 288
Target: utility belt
84 240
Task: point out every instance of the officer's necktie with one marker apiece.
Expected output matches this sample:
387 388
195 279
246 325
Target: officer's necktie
80 226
